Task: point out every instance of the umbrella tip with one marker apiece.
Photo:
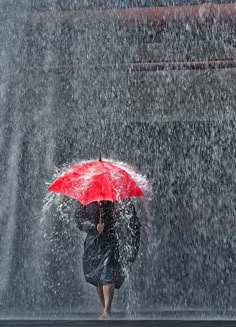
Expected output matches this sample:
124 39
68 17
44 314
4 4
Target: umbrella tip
100 156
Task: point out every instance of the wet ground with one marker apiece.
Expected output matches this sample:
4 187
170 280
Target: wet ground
166 318
117 323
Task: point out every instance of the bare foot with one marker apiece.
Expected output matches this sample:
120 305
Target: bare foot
104 316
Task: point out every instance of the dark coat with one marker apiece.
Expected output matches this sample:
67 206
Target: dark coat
108 256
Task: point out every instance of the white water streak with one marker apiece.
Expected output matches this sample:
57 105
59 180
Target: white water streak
11 197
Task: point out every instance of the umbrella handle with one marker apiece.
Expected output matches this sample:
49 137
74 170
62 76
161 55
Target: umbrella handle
100 215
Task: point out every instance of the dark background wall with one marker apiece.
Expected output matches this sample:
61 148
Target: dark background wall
61 102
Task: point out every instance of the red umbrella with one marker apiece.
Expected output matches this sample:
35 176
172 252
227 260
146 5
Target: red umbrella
96 181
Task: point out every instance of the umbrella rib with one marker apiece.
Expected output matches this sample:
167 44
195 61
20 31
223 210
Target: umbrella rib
108 177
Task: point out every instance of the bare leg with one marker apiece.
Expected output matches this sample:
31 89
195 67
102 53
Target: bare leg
101 295
108 291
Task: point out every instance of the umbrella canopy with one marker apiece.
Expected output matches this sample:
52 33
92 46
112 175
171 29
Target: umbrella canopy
98 180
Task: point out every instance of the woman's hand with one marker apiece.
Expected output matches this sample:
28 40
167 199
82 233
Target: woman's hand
100 228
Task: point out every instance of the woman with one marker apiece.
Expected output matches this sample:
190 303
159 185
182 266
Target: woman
102 263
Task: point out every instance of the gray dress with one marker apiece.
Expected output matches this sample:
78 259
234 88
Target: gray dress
102 260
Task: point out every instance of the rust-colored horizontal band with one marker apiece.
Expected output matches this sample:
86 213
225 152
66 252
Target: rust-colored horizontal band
158 15
149 66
